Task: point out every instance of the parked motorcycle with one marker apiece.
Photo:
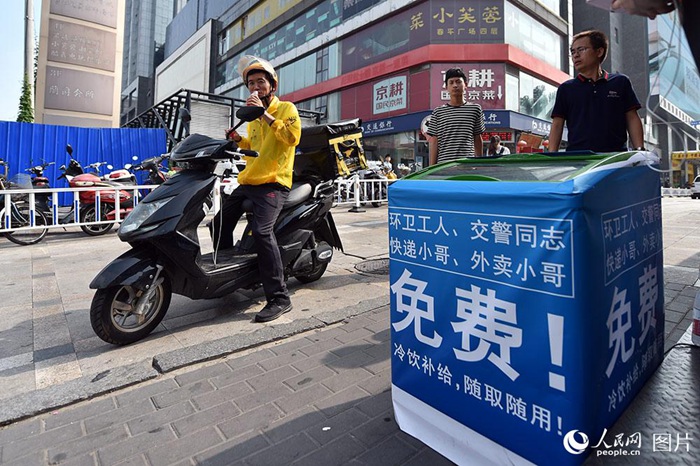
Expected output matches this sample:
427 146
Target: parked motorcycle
153 167
375 192
89 210
121 176
16 211
40 181
134 291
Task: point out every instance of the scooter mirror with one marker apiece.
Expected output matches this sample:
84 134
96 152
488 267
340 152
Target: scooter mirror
135 158
249 113
69 149
127 166
109 167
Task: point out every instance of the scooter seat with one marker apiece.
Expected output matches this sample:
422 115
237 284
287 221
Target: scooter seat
298 194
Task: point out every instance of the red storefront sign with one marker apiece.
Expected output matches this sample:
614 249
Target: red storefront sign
486 84
506 136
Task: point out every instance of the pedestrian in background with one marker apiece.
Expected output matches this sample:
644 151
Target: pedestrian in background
495 148
599 108
455 128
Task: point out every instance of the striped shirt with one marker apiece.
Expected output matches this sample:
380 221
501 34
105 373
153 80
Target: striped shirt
455 128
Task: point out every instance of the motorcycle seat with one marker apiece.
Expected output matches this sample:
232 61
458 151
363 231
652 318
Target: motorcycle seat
298 194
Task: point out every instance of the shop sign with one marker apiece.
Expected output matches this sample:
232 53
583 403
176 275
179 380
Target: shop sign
389 95
506 136
497 119
541 127
394 124
479 21
681 155
376 127
530 124
485 83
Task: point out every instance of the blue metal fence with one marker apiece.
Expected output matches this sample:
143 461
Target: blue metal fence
23 145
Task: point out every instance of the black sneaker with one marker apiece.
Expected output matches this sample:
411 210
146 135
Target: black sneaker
273 310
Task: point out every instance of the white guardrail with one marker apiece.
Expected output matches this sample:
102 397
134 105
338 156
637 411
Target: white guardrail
358 192
676 192
64 216
350 191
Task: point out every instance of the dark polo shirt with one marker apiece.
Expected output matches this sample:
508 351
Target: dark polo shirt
595 111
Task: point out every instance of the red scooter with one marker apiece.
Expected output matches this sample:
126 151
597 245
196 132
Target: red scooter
88 207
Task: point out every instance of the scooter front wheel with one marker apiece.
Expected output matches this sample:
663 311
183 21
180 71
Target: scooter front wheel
89 215
121 315
20 217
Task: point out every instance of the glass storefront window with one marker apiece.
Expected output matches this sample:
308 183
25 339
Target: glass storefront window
512 93
536 97
532 37
327 105
552 5
408 154
672 72
300 30
387 38
302 72
433 22
309 70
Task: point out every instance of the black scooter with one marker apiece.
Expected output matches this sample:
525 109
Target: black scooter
134 291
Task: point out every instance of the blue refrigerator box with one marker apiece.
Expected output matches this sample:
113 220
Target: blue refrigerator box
526 302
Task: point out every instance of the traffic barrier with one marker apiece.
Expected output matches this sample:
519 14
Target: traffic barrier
675 192
58 219
351 191
357 192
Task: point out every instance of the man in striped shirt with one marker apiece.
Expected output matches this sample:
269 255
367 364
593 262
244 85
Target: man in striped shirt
455 128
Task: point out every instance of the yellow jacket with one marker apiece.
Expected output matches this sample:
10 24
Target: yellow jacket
276 145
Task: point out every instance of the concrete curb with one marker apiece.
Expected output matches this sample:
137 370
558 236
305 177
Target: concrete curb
83 388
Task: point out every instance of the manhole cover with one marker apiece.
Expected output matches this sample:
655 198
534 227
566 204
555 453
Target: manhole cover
374 266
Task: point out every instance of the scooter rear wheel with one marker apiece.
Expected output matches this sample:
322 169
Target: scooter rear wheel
314 275
113 312
88 215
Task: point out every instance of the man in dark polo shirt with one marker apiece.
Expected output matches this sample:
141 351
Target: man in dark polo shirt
599 108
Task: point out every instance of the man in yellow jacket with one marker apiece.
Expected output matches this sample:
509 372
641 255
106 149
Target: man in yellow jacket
265 181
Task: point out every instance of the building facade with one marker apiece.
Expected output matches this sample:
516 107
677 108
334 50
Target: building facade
78 72
664 77
384 61
144 41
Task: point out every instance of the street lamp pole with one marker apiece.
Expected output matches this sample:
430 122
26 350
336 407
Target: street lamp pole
29 44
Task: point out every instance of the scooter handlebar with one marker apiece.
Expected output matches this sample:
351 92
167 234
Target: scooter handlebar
242 152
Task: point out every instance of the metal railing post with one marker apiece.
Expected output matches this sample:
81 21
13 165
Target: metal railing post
356 188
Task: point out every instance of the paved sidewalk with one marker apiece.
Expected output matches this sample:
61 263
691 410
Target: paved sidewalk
322 399
319 399
51 357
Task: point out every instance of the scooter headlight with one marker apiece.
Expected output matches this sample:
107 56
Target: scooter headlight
140 214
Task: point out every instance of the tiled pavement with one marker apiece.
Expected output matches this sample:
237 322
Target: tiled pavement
319 399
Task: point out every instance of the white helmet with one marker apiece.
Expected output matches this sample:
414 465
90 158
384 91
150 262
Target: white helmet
248 63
